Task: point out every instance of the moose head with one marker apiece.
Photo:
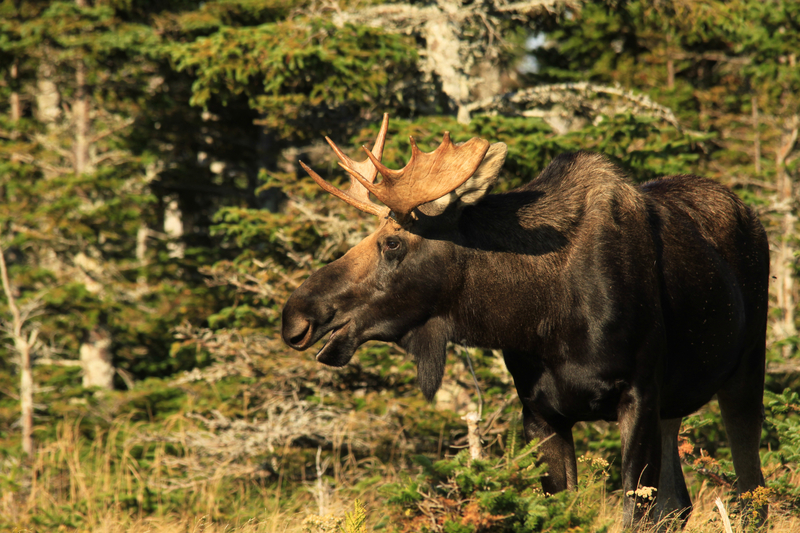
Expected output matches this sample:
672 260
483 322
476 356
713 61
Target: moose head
394 285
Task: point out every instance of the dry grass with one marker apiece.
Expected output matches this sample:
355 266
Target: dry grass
105 485
706 516
196 474
97 481
705 519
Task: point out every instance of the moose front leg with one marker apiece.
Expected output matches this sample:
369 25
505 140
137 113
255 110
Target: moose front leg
556 450
640 433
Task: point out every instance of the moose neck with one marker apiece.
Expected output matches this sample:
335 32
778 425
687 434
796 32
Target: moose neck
510 259
522 276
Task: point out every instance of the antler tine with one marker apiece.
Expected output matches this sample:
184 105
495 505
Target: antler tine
366 167
386 172
355 201
427 176
357 194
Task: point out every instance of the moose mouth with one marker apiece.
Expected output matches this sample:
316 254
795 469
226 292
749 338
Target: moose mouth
338 349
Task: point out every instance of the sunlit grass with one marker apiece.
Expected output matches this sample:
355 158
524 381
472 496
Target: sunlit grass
115 484
185 456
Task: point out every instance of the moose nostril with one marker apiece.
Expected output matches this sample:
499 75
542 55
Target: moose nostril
297 332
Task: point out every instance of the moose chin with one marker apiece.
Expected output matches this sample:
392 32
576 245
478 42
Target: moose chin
610 301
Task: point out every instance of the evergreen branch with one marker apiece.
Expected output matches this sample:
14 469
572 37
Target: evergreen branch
124 124
34 233
356 521
53 147
783 368
719 57
119 155
538 6
405 17
573 94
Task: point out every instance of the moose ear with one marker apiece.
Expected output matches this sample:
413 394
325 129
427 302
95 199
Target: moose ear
472 190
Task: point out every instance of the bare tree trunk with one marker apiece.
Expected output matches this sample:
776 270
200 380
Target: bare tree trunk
26 396
48 97
96 359
23 347
95 351
173 226
473 434
757 137
442 47
784 293
783 269
14 101
141 253
491 83
80 110
670 64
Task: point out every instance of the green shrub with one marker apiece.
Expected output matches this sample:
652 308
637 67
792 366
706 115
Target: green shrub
502 495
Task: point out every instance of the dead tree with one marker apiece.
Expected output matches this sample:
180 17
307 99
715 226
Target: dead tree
25 340
465 67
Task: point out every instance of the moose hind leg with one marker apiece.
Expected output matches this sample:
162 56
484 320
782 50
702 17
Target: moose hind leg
556 449
673 501
640 433
741 403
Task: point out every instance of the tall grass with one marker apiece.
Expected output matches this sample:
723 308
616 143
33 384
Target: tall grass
116 482
264 454
111 480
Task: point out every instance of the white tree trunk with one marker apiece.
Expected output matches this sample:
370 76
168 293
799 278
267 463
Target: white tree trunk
449 54
141 251
473 434
96 360
783 268
442 51
80 116
756 136
14 101
26 397
173 227
23 346
48 98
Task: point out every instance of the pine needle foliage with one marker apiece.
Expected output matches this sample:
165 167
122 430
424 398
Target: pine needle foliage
460 495
356 521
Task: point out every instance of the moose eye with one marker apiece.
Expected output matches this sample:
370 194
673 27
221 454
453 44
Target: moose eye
392 248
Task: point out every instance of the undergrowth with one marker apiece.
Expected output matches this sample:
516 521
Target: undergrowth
295 447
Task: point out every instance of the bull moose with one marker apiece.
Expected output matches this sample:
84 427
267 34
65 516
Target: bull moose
609 301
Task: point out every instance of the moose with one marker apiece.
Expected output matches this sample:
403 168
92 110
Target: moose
609 301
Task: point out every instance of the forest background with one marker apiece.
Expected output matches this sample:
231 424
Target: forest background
154 220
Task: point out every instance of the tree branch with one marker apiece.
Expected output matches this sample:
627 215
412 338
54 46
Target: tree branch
12 304
562 93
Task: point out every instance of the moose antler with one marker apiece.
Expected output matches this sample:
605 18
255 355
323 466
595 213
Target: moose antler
426 177
357 195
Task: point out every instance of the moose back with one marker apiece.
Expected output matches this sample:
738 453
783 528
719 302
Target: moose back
609 301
